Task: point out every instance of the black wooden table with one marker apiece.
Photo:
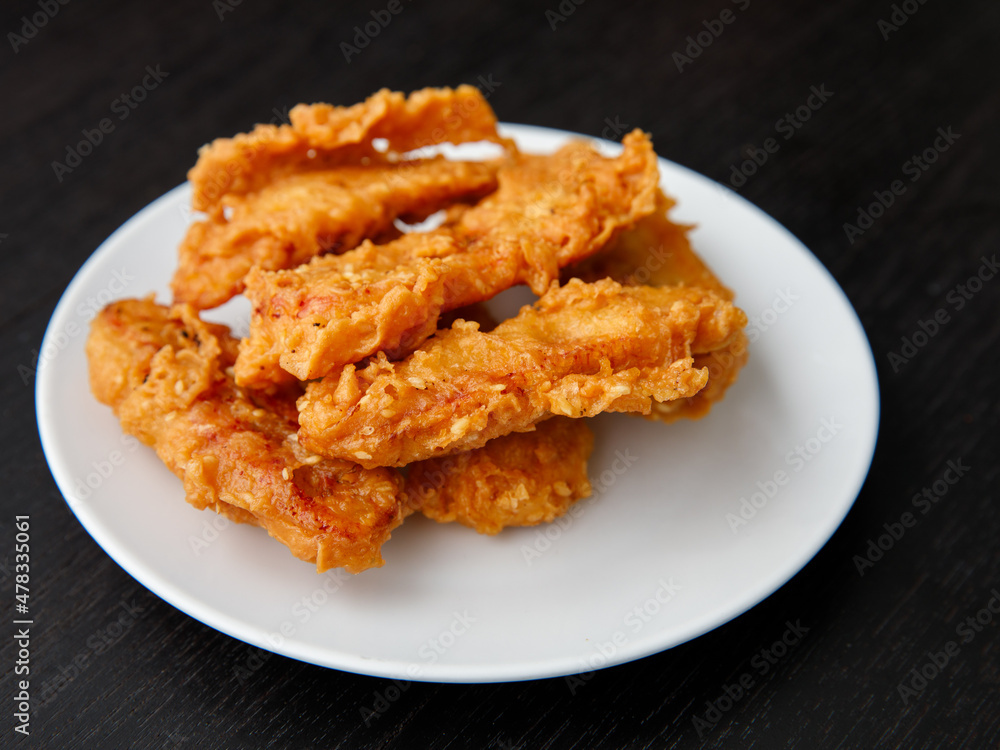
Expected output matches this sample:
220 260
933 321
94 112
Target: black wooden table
889 174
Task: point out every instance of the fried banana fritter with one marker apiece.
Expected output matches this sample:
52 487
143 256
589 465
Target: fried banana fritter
164 373
580 350
547 212
521 479
299 216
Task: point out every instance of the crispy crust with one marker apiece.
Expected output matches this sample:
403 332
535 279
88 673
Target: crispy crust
580 350
656 251
163 371
322 136
488 488
476 407
547 212
299 216
522 479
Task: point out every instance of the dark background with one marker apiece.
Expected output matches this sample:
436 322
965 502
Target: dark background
168 681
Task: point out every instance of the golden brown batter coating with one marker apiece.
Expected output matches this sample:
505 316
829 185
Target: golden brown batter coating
547 212
165 374
521 479
299 216
580 350
657 252
472 410
489 488
321 136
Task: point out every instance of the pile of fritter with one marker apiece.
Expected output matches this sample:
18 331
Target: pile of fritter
373 384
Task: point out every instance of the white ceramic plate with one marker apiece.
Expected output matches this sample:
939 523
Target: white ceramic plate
661 556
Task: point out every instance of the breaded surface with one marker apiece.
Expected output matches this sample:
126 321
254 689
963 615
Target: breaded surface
321 136
521 479
658 252
580 350
164 372
547 212
655 251
298 216
488 488
723 366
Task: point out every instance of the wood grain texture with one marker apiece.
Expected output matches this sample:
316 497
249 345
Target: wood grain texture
168 681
